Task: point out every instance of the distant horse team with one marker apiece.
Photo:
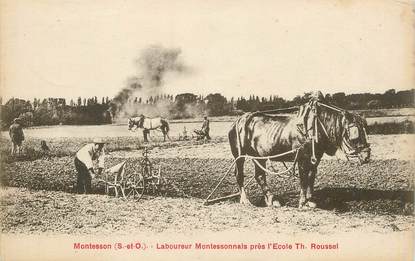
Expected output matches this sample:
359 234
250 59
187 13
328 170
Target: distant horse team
315 129
148 124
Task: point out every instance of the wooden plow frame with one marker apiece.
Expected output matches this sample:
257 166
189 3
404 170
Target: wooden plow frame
152 176
125 185
254 159
134 185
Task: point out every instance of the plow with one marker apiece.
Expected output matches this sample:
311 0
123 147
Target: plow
134 185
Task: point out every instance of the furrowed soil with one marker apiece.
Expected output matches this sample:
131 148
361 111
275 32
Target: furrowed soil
37 196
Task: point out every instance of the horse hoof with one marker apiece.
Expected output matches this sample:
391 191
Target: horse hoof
311 204
244 202
269 200
276 203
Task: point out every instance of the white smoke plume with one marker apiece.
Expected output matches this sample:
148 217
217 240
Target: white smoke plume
153 64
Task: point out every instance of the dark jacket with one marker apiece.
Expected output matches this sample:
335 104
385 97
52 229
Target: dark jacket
205 125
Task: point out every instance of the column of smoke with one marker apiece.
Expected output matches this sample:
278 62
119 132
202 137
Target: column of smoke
153 64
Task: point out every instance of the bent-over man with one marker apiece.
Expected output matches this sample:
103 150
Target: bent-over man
84 164
16 136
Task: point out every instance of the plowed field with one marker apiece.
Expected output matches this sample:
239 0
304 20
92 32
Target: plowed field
37 196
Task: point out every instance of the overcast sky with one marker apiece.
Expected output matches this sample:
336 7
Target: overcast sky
86 48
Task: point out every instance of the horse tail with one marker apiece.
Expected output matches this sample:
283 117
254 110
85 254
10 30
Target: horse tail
238 135
233 137
238 140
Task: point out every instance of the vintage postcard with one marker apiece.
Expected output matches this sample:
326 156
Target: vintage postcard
207 130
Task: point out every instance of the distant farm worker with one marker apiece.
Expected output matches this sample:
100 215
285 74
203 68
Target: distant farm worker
16 136
205 128
88 156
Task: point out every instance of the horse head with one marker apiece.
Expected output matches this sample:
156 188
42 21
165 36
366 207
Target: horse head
131 123
140 122
137 121
344 130
354 137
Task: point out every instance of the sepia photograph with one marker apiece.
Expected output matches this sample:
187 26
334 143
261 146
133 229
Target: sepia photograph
207 130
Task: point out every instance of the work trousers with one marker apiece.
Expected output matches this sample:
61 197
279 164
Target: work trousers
83 182
206 133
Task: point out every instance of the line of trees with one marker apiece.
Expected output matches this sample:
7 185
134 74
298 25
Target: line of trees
188 105
387 100
53 111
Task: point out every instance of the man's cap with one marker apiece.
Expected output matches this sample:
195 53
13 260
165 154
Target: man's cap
98 141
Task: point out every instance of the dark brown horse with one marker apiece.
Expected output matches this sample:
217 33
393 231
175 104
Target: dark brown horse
316 129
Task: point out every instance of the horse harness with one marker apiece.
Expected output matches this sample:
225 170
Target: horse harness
140 123
311 132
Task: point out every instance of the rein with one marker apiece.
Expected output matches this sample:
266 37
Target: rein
345 146
255 160
283 110
281 174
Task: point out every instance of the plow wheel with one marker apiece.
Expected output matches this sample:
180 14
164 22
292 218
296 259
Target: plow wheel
135 186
